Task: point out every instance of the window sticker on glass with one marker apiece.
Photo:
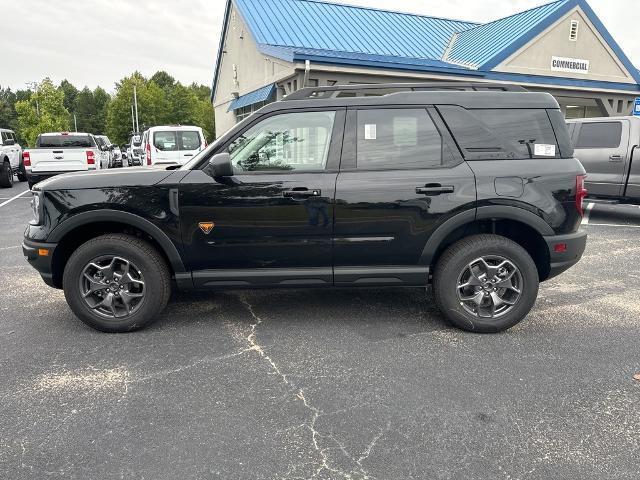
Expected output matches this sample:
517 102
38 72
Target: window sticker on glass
370 131
543 150
405 131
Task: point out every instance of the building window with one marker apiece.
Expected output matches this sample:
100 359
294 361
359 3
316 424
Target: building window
244 112
573 33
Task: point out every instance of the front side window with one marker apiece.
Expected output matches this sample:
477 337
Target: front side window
397 138
165 141
287 142
600 135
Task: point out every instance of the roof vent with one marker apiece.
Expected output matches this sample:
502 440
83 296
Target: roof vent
573 33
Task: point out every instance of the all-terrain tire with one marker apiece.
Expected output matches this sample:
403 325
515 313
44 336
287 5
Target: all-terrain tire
149 262
6 175
458 257
22 172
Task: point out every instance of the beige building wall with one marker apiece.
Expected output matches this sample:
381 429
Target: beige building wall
243 69
535 57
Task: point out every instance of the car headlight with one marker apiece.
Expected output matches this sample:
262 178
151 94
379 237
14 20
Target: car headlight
36 207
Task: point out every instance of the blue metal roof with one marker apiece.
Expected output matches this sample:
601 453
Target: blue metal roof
257 96
477 46
298 30
343 28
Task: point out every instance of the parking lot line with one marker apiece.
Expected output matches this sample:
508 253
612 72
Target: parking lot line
587 213
13 198
616 225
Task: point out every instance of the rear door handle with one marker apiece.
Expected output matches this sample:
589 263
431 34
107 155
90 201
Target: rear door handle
616 158
302 192
434 189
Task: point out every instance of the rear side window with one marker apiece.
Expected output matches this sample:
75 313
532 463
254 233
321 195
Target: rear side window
397 138
600 135
165 141
502 133
64 141
189 140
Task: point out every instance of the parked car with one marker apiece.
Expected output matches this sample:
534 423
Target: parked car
474 192
63 152
607 148
104 152
172 144
135 153
113 151
10 159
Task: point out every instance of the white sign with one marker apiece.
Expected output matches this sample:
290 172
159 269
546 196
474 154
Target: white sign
571 65
542 150
370 131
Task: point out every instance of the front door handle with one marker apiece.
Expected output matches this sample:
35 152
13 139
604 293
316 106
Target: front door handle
616 158
434 189
302 192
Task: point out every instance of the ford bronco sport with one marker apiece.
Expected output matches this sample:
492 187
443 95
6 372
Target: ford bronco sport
472 189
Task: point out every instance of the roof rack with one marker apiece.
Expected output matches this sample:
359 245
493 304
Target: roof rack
371 90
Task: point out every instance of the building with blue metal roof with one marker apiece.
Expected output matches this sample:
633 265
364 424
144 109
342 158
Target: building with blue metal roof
270 48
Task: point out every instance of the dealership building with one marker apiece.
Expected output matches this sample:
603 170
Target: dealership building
271 48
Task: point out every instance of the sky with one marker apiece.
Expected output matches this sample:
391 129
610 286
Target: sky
98 42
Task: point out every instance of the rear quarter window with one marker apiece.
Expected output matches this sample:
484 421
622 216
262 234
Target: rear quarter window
504 133
600 135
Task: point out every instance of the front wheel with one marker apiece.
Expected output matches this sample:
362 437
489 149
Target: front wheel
485 283
6 175
116 283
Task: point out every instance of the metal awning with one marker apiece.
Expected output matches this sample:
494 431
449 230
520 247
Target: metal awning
257 96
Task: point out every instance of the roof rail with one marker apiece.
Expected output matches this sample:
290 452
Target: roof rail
336 91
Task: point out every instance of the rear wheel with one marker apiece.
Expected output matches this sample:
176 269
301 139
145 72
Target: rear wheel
116 283
22 172
6 175
485 283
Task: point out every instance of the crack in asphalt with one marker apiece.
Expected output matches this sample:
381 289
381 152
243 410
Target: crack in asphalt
316 437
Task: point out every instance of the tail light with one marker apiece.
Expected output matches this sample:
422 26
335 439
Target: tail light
91 157
26 159
148 154
581 194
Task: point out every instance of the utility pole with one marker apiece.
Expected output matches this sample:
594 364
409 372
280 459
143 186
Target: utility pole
135 102
133 121
75 122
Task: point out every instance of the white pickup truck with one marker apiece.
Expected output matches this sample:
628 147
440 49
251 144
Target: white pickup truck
57 153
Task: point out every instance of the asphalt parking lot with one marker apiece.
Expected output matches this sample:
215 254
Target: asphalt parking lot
339 384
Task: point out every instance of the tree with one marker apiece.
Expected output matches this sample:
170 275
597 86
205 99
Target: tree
183 106
43 112
8 115
153 107
70 94
101 101
163 80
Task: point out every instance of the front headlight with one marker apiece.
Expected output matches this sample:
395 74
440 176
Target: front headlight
36 207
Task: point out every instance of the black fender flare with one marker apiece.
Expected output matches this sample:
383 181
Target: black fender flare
498 212
96 216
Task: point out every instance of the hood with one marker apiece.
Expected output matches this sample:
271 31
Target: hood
120 177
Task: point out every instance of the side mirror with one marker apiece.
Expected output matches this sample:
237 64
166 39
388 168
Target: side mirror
220 166
9 141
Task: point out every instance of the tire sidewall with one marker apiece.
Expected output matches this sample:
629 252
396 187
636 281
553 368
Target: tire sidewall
153 286
447 281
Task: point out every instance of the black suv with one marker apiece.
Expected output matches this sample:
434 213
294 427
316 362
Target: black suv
473 189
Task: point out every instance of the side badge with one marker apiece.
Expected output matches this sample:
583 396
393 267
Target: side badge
206 227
